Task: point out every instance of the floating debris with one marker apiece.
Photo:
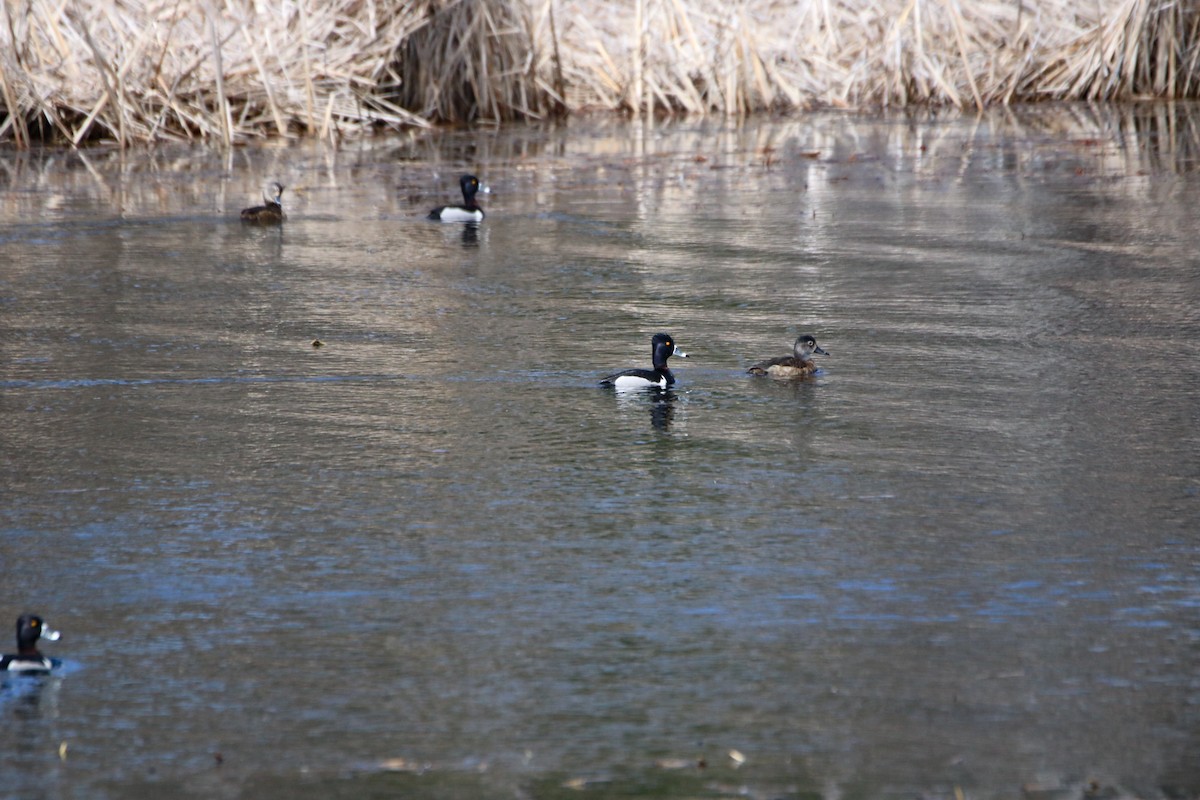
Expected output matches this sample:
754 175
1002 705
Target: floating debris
681 763
579 784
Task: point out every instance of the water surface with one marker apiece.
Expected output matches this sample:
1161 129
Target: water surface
433 559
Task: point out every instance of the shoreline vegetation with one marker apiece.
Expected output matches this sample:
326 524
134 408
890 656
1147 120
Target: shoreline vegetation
232 71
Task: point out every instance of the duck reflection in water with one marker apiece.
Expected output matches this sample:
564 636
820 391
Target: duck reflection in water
662 410
660 404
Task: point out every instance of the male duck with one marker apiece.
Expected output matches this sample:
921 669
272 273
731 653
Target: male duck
662 347
794 366
272 212
27 659
469 211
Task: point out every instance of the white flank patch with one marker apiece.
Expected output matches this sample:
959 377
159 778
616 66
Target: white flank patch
459 215
626 382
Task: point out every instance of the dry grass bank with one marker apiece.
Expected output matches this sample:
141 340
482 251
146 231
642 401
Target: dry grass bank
150 70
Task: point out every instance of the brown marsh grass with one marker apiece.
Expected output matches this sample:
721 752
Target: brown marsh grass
139 71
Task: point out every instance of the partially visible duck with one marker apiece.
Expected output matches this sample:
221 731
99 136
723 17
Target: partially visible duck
469 211
797 365
662 347
27 659
272 212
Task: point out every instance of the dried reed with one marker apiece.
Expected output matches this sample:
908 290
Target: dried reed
225 70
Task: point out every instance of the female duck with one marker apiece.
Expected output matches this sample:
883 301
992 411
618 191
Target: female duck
272 212
469 211
662 347
797 365
27 659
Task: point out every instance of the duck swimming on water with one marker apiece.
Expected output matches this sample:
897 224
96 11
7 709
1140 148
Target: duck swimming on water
469 211
272 212
662 347
27 659
797 365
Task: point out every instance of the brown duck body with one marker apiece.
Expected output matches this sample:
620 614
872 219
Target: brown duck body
784 367
797 365
269 214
